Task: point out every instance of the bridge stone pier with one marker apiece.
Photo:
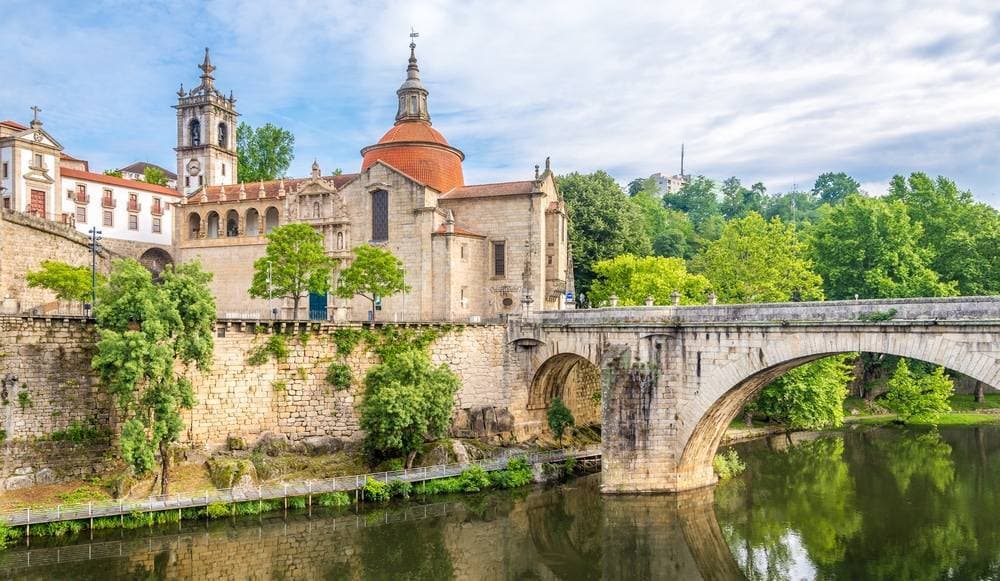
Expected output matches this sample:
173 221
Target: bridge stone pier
673 378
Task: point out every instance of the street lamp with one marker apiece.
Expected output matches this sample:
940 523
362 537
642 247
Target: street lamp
95 239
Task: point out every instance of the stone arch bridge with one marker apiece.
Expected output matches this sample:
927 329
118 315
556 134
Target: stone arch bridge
673 378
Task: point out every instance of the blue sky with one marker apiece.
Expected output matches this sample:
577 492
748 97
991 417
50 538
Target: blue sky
775 92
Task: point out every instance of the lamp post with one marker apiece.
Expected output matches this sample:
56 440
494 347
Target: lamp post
95 238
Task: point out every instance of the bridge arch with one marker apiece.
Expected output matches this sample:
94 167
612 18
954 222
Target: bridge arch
705 419
572 378
156 260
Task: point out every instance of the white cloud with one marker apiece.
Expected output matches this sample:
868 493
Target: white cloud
777 93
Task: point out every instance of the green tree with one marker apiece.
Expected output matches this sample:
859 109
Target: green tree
150 335
738 201
914 397
154 175
809 397
963 236
559 418
602 223
632 279
264 153
697 198
793 207
670 231
296 263
407 401
870 247
374 273
758 261
832 188
70 283
115 173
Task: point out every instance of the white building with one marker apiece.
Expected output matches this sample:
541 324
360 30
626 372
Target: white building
37 178
137 172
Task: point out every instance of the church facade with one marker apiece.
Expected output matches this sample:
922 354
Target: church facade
470 252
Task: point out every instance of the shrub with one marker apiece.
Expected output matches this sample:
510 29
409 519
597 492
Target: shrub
728 464
276 346
298 502
474 479
333 499
57 529
375 491
218 510
24 399
569 466
400 489
339 376
79 432
8 535
517 474
559 418
279 385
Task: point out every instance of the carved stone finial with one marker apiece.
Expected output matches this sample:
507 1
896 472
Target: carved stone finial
649 300
675 297
281 187
36 122
315 168
613 300
261 192
712 298
548 164
222 193
180 92
536 171
243 191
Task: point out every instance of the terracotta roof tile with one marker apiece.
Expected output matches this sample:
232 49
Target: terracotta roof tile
14 125
443 229
490 190
419 151
113 181
270 188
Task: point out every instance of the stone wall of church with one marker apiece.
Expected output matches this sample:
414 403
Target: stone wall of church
25 241
50 359
231 265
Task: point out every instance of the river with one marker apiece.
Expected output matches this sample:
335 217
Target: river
870 503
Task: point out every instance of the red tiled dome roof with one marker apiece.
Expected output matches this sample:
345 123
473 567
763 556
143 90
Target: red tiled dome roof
421 152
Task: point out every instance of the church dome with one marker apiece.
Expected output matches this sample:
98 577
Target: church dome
414 147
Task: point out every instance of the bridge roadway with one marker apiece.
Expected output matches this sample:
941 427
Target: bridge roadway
672 378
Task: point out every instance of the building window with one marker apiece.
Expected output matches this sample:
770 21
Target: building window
81 214
223 169
380 216
108 198
109 218
499 259
315 209
133 202
156 225
157 207
6 170
38 160
550 260
464 251
340 240
133 222
194 131
222 141
187 181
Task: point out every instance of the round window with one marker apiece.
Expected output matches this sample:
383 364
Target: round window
508 302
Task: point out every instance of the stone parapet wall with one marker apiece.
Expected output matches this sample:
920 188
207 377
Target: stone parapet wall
29 463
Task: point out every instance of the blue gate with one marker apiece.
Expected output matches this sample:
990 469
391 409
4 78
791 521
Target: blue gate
317 307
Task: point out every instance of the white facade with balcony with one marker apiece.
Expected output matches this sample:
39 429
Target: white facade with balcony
121 209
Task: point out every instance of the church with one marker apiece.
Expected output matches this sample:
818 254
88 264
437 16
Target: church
471 252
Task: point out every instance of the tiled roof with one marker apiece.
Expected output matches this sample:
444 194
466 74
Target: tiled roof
489 190
413 131
139 167
270 188
14 125
113 181
443 229
419 151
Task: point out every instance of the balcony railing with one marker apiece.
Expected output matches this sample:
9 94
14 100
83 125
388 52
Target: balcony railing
134 206
157 209
109 202
81 197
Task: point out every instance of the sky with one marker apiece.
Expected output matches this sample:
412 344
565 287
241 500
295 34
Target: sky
777 92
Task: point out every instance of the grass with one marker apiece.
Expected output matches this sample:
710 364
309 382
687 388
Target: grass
952 419
967 402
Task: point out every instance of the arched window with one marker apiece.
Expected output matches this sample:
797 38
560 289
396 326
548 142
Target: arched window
223 137
315 209
213 224
194 132
270 219
194 225
380 216
252 227
340 240
232 223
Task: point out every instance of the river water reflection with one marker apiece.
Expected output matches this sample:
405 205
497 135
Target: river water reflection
863 504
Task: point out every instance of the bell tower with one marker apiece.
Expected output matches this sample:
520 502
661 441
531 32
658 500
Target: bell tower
206 134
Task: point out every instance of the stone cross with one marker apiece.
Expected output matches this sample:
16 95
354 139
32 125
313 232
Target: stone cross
37 110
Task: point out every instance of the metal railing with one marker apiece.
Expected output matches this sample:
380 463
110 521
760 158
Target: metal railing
304 488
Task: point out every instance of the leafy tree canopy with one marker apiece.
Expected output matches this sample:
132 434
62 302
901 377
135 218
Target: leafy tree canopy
602 223
870 247
759 261
373 273
632 279
698 199
407 401
70 283
297 263
113 173
914 397
264 153
738 201
154 175
832 188
150 334
559 418
793 207
809 397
